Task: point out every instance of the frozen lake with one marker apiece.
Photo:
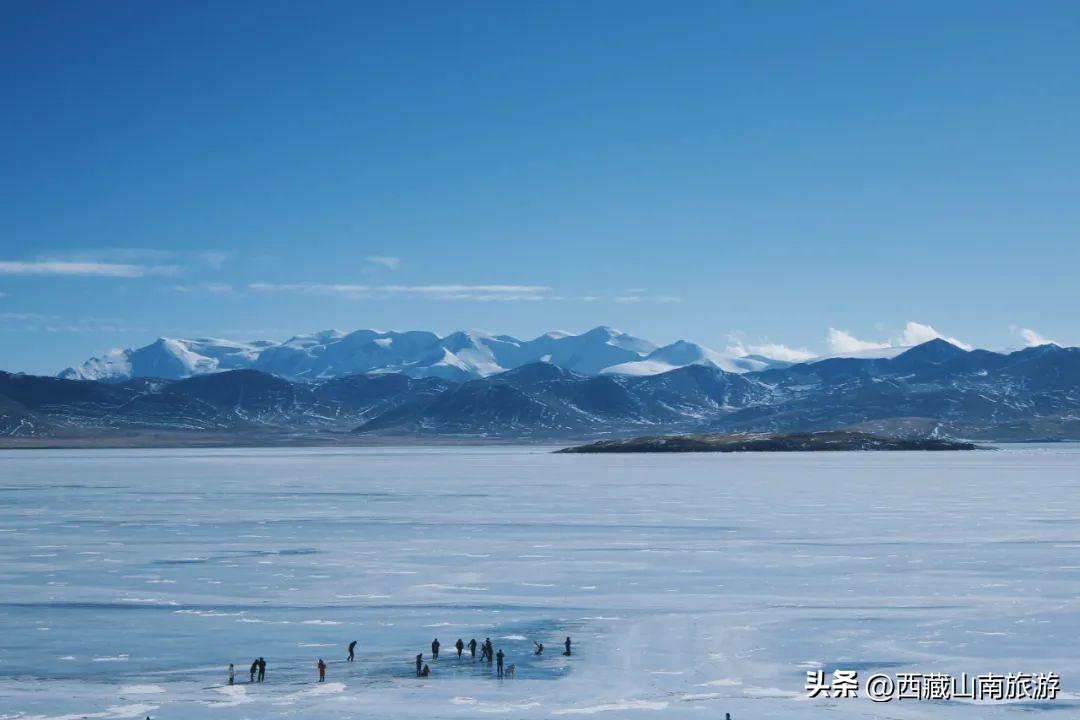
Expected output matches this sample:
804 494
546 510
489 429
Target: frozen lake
692 585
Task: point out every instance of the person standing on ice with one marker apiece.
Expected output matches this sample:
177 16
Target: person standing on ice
539 648
254 668
499 662
472 648
262 669
419 663
352 649
232 674
460 647
567 646
435 649
322 670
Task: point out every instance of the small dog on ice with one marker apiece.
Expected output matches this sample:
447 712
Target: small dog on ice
509 672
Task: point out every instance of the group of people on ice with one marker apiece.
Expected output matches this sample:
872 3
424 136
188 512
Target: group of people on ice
487 654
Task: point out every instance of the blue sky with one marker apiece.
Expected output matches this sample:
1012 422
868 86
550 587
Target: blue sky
738 174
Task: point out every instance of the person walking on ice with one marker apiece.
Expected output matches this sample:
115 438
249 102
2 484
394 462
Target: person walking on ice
460 647
262 669
472 648
352 651
322 670
254 668
499 663
567 646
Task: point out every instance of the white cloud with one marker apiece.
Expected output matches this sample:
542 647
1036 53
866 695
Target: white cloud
496 297
211 288
841 342
647 298
353 292
1032 338
477 293
213 258
444 289
38 322
776 351
26 317
917 333
387 261
84 269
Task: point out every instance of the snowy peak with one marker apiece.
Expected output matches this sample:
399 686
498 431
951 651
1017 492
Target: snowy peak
682 354
462 355
169 359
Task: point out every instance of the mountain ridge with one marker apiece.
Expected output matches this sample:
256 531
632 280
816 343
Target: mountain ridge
458 356
934 389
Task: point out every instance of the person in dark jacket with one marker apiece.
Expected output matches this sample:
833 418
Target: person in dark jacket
254 668
435 649
322 670
472 647
352 651
419 663
460 646
262 669
567 646
499 662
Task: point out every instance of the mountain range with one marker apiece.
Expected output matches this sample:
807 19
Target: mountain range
459 356
935 389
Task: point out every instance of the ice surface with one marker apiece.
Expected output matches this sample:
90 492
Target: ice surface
692 585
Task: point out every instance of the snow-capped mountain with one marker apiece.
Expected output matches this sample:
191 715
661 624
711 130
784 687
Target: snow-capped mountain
682 353
418 354
932 389
169 359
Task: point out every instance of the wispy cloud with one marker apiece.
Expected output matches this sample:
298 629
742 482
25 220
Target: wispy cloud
213 258
328 288
634 297
916 333
478 293
210 288
776 351
842 342
442 289
26 317
39 322
84 269
1032 338
387 261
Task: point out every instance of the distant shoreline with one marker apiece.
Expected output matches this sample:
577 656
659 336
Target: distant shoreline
736 442
828 441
